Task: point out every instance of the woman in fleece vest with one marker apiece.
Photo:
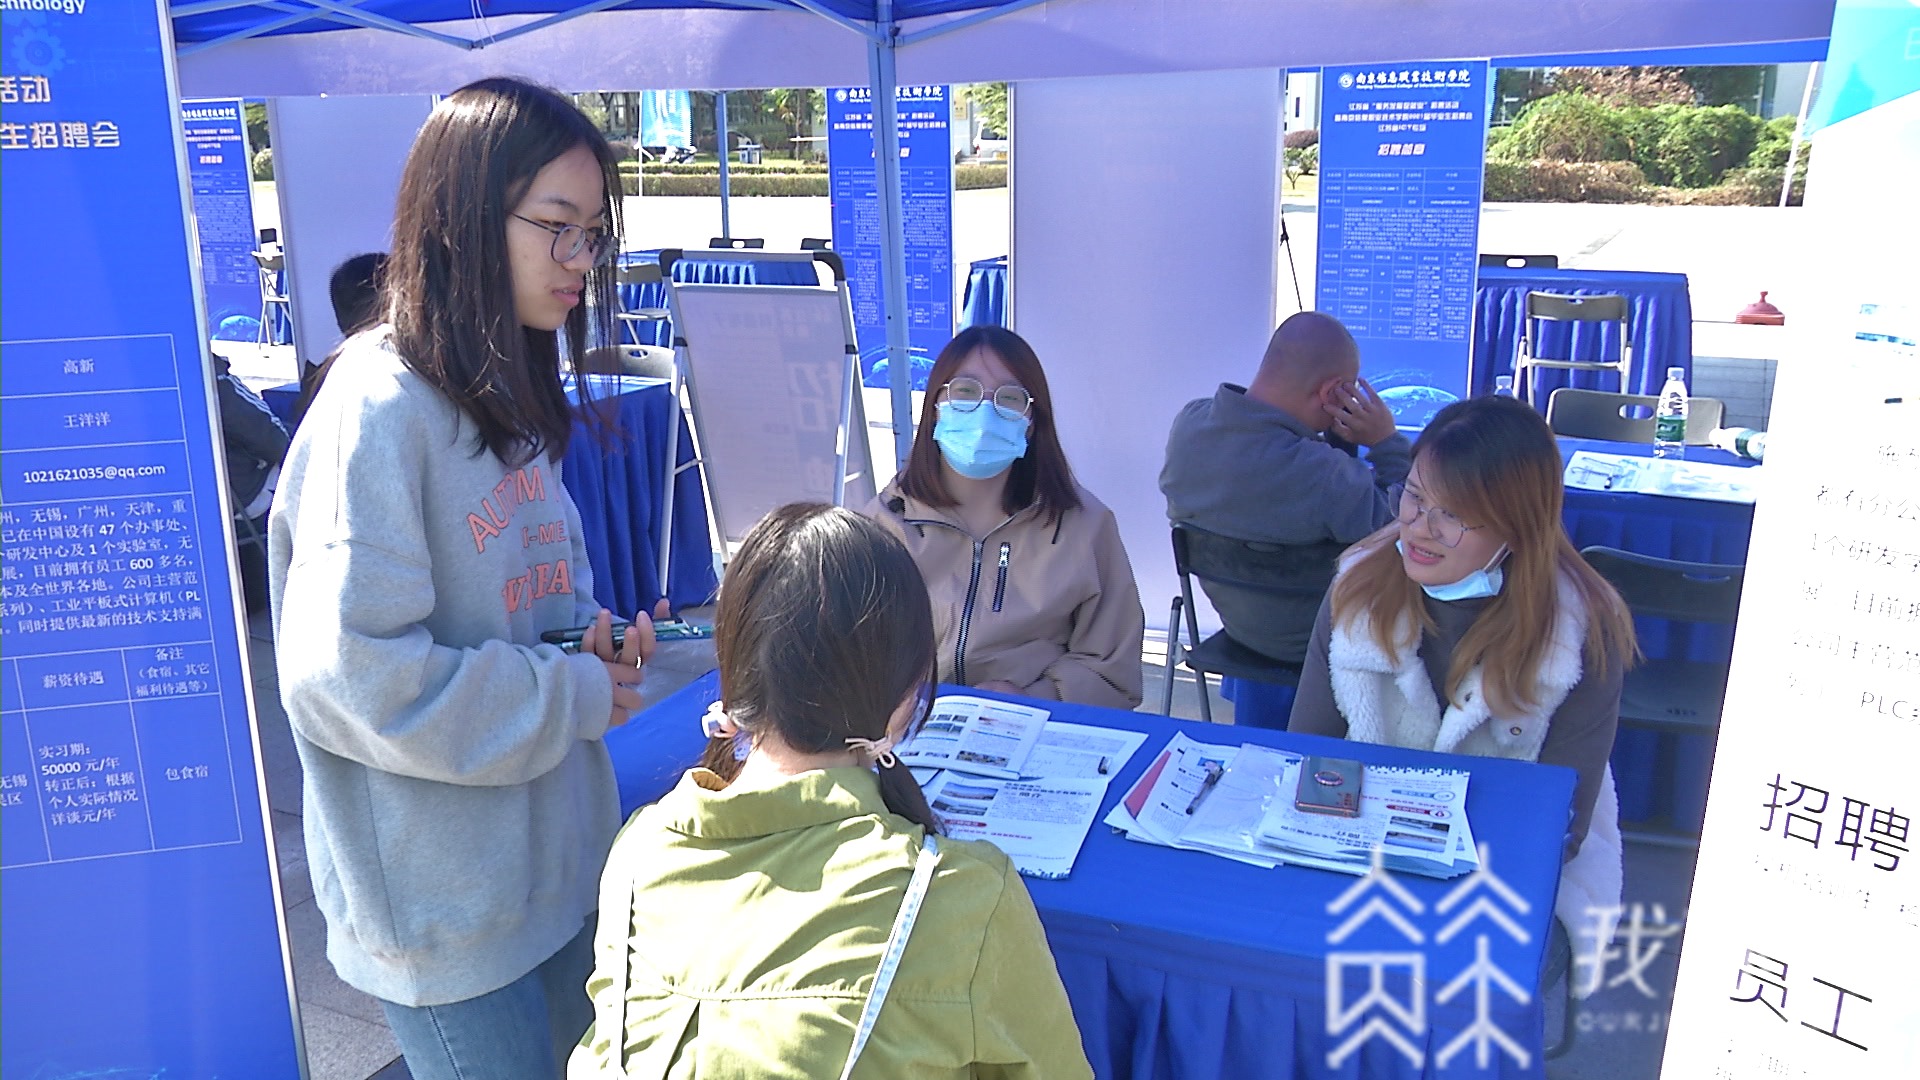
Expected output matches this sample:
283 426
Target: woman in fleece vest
1471 626
459 802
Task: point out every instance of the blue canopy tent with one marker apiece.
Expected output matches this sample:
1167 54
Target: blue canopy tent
262 48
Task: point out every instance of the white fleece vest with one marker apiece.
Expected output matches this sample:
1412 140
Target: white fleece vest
1388 699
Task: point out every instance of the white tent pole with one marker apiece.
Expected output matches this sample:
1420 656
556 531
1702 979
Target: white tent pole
893 256
720 134
1799 132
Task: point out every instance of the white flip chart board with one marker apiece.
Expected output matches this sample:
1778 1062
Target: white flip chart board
770 375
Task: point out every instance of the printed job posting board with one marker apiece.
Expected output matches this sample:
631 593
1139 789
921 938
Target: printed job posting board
140 934
1401 148
926 196
218 162
1804 921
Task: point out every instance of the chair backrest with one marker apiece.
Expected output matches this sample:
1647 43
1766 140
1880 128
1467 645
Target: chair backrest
1295 571
1562 308
737 243
640 273
1516 262
1596 414
1668 588
815 243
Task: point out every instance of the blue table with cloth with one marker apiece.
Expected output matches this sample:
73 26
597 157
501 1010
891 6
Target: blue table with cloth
695 271
1660 323
1180 964
1659 776
1663 776
985 301
621 492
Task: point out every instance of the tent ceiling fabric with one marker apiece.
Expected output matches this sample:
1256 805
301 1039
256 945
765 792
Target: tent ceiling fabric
661 44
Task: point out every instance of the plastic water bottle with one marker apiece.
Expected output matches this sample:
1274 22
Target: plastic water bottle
1503 386
1743 441
1670 417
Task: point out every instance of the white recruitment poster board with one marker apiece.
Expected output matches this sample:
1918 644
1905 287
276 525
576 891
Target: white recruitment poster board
771 380
1804 928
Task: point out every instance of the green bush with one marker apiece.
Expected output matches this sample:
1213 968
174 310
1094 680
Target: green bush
746 185
1300 161
1698 145
263 163
712 168
1740 187
1564 127
1564 181
1772 143
974 177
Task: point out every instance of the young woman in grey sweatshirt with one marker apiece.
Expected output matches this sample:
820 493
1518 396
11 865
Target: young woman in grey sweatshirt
459 802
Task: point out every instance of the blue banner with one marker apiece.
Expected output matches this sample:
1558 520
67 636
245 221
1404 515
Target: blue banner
140 933
1401 149
666 118
926 195
219 164
1876 58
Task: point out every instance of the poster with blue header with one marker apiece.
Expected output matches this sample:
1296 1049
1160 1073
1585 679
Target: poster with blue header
1401 151
141 934
926 194
219 164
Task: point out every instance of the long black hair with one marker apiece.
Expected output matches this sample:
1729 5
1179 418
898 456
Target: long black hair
823 629
448 283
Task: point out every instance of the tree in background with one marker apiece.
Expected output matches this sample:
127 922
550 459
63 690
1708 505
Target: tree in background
258 136
991 100
1619 86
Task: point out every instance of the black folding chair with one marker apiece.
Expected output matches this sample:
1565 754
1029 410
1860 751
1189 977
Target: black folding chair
1680 697
1293 575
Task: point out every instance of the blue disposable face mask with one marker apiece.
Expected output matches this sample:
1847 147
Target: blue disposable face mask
981 443
1478 585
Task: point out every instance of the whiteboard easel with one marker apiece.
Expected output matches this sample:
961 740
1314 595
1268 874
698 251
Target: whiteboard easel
772 379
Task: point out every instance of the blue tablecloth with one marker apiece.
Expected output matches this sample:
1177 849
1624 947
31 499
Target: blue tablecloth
698 271
282 399
620 490
1183 965
1660 323
985 301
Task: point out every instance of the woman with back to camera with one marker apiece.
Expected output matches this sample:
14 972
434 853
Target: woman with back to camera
458 799
1471 626
744 917
1032 591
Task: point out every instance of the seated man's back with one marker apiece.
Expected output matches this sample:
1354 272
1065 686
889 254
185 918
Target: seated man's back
1259 464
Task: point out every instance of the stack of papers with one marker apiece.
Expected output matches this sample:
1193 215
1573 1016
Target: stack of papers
1676 477
1415 818
1007 774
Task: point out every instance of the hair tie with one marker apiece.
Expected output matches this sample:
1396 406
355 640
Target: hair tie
878 751
717 724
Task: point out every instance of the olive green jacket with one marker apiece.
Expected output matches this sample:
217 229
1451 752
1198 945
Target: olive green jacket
755 922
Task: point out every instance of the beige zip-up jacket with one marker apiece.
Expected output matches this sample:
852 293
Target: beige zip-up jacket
1050 607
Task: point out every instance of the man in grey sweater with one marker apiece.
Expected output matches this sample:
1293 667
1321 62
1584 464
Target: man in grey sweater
1275 462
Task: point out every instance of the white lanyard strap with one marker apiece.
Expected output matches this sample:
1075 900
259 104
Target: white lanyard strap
896 945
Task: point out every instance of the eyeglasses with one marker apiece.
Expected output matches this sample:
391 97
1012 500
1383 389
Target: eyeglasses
570 240
1449 530
966 394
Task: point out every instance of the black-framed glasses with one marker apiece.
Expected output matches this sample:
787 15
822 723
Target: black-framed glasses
966 394
1445 527
570 240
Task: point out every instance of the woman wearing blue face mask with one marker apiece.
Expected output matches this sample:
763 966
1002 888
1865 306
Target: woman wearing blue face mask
1031 588
1471 626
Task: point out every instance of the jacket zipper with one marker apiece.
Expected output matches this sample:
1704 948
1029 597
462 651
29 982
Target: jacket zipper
966 617
973 586
1000 587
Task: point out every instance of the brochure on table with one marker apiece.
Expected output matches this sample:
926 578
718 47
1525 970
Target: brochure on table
1415 818
1029 785
1675 477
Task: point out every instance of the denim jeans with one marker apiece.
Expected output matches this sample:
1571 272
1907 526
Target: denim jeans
523 1030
